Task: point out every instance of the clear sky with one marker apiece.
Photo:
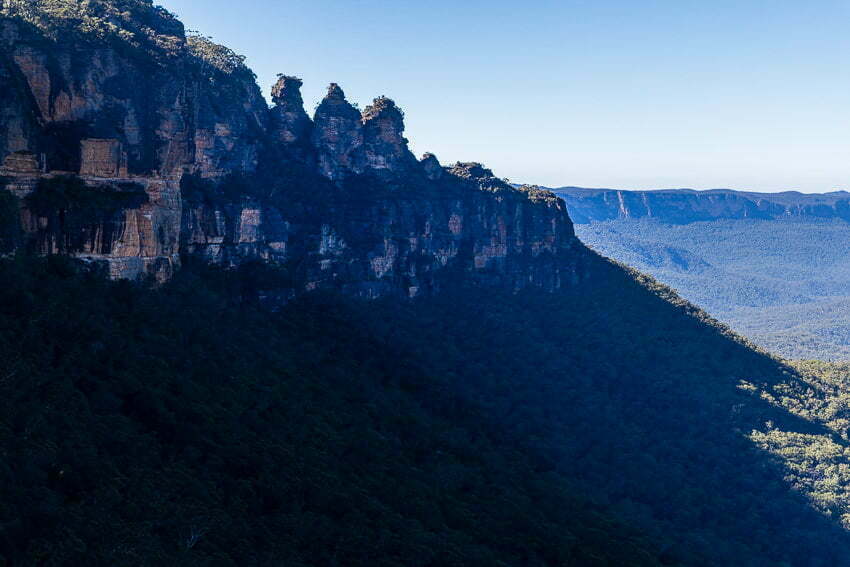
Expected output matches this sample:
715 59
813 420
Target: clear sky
747 94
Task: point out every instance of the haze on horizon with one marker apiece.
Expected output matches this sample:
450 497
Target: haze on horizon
593 93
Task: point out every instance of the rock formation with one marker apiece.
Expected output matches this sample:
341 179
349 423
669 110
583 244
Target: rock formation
337 134
385 148
290 125
431 166
339 199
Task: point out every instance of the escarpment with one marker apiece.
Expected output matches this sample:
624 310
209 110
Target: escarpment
144 149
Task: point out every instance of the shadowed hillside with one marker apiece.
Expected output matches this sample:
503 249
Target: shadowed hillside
605 425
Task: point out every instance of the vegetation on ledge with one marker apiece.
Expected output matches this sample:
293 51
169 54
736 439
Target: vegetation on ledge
137 24
221 58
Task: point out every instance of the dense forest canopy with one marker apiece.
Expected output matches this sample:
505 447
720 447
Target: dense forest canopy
135 22
135 27
611 424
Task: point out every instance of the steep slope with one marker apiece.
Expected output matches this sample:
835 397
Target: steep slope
610 424
771 265
185 426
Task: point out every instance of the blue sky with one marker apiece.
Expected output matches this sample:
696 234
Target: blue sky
748 94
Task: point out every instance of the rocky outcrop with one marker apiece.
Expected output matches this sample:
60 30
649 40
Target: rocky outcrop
183 158
291 127
337 135
431 166
348 142
384 146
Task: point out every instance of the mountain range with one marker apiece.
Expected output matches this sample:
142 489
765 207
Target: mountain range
682 206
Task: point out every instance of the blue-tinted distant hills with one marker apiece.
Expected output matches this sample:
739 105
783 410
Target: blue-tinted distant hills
775 266
687 205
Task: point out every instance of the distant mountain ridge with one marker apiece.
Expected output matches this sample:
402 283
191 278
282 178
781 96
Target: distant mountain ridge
681 206
771 265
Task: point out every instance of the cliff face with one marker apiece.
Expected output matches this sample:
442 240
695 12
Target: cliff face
164 116
682 206
140 152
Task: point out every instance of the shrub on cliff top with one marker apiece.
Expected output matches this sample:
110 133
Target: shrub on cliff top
137 24
538 194
218 56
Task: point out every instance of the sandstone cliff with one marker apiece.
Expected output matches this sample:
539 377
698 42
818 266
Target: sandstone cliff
182 157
